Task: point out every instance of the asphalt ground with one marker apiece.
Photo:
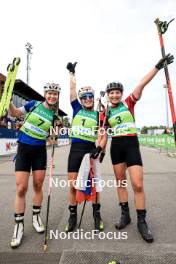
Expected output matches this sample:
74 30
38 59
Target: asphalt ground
160 188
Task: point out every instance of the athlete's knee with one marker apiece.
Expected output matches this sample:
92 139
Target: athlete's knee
138 187
72 188
120 176
72 182
21 190
37 186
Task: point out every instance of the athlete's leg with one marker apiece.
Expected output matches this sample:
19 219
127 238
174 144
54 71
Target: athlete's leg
72 221
72 176
120 174
121 179
74 162
22 178
118 158
38 179
136 175
22 172
98 223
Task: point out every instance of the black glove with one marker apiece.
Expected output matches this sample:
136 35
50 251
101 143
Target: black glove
71 67
95 152
167 60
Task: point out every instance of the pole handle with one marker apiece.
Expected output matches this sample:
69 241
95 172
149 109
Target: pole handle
162 26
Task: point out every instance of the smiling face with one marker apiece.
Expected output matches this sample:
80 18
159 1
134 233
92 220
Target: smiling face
87 101
51 97
115 97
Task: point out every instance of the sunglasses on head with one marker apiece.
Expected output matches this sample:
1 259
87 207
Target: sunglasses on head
86 96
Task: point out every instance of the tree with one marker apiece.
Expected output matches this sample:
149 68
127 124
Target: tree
144 130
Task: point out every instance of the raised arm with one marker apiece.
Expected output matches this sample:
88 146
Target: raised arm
73 93
14 111
139 88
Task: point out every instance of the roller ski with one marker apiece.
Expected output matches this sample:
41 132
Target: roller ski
8 87
114 262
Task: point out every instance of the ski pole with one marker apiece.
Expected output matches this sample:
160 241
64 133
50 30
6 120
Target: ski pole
45 246
82 214
101 122
103 126
162 28
99 107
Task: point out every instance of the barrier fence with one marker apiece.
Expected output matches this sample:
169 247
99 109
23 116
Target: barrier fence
157 141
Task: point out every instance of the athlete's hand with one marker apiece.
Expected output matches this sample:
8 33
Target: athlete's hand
95 152
164 61
71 67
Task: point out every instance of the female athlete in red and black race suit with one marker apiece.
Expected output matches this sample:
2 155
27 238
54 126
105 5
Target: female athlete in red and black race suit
125 152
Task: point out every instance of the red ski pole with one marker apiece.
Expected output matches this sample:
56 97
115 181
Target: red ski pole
162 28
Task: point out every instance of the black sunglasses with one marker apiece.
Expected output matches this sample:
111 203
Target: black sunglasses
84 97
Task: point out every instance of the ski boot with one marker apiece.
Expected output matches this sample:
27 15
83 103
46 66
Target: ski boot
18 231
98 223
36 220
125 216
143 227
72 221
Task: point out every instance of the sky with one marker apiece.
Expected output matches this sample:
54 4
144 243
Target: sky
112 40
